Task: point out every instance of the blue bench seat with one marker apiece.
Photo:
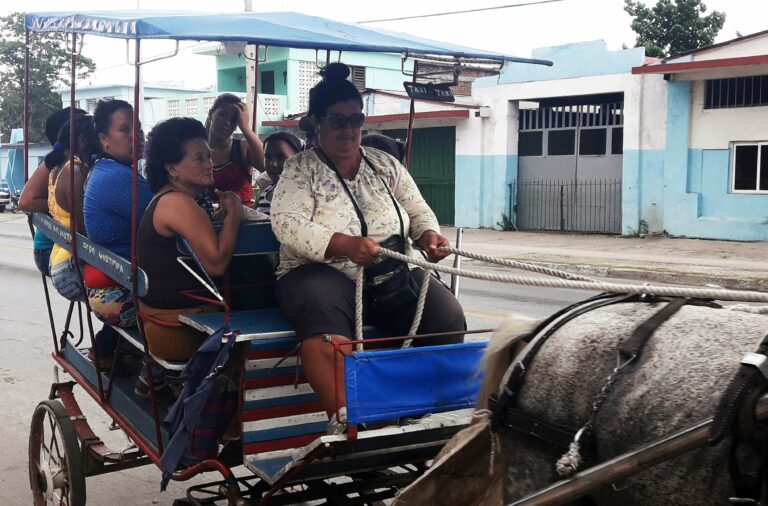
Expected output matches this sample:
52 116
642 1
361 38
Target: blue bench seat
133 337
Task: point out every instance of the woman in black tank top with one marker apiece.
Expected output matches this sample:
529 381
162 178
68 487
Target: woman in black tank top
178 168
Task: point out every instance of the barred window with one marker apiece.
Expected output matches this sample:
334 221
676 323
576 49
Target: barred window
750 91
357 76
750 167
530 143
592 141
561 142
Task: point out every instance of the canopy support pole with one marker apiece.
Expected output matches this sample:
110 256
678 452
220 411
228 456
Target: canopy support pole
254 122
411 117
26 105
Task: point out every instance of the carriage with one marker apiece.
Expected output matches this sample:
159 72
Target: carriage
287 455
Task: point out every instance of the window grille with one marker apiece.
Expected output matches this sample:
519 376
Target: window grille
308 77
90 105
750 167
561 142
173 108
750 91
191 105
208 103
592 141
617 141
570 116
530 143
357 76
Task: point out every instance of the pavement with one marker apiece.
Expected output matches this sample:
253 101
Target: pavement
654 259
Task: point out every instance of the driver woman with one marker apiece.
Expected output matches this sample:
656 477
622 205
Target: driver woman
331 209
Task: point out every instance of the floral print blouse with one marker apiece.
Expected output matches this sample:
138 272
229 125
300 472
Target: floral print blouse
309 205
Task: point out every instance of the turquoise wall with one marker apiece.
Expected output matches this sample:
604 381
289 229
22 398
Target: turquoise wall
278 67
231 79
482 188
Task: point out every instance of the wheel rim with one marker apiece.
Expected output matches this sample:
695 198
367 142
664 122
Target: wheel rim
51 456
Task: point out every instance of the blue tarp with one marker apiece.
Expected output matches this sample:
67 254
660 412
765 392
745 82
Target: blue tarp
389 384
281 29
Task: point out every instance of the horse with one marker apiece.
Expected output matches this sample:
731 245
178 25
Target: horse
679 376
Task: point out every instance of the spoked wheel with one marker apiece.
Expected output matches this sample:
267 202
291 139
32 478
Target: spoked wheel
55 463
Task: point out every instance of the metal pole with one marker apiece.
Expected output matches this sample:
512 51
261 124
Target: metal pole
26 104
457 263
255 88
411 117
630 463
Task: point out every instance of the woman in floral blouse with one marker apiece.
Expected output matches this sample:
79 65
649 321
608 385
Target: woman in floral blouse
331 209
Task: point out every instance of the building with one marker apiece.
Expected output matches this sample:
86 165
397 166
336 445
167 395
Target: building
610 141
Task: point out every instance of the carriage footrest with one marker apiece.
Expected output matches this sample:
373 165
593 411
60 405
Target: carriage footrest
372 449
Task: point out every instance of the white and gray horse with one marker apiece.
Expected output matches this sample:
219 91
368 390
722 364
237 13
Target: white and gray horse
679 378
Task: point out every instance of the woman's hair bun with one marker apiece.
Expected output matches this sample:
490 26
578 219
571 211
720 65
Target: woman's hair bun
335 72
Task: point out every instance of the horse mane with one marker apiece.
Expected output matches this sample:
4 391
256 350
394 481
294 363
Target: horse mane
498 356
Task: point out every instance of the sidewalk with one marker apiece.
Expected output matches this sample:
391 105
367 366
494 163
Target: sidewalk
736 265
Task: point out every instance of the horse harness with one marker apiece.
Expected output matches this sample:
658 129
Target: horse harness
505 414
735 416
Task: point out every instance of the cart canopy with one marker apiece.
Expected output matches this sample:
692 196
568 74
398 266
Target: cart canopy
280 29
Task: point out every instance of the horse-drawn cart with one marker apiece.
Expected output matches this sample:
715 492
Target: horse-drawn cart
403 403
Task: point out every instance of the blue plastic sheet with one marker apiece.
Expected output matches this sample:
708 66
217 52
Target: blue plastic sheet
389 384
280 29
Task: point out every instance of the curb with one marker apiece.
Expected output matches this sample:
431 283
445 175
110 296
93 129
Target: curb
648 274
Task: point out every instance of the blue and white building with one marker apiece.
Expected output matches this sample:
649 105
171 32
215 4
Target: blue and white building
614 142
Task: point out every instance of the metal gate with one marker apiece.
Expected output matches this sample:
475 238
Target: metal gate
433 167
569 172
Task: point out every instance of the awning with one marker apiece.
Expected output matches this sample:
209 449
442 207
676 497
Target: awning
281 29
387 118
689 66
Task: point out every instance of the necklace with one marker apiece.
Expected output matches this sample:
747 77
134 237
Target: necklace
217 168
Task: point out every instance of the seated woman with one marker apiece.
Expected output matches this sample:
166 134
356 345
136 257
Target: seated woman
332 207
178 168
233 160
387 144
278 147
61 196
108 211
34 198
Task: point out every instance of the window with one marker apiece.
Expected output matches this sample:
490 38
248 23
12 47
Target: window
750 167
530 143
750 91
357 76
268 82
90 105
208 103
561 142
592 141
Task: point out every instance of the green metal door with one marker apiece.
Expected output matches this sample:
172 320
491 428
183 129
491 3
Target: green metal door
433 167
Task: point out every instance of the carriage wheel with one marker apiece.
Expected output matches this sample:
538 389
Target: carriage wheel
55 462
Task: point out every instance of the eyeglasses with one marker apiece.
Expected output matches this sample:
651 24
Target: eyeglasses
339 121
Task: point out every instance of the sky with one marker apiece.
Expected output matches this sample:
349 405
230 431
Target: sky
513 31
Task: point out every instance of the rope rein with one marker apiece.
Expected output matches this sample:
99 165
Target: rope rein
670 291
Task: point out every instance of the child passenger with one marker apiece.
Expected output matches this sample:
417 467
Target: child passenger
278 148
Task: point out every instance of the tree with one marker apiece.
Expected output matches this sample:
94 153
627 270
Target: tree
673 26
50 64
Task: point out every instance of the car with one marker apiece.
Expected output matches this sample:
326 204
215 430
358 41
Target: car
5 195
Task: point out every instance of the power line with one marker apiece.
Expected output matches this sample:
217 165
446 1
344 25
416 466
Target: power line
509 6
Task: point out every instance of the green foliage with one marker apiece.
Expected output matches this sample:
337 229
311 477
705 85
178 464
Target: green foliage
50 67
673 26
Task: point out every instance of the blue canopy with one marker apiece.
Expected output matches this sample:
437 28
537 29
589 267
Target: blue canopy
281 29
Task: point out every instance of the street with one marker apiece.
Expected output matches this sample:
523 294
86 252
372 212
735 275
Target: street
26 368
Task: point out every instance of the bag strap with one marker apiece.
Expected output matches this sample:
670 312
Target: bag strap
358 211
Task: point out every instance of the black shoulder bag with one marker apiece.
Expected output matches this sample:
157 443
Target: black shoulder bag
388 282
